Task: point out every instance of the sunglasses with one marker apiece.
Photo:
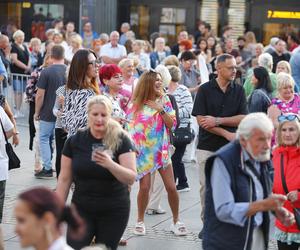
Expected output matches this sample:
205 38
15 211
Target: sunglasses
290 117
95 63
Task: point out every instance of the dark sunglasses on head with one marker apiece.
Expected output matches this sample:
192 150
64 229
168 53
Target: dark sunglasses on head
290 117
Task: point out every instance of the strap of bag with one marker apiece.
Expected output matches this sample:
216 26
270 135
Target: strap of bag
4 132
282 175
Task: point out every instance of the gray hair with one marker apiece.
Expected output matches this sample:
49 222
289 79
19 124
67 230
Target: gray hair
18 33
254 121
165 74
175 73
265 60
222 58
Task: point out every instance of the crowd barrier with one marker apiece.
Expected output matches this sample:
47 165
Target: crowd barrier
14 89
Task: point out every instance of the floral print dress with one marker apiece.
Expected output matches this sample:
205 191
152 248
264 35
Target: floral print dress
151 137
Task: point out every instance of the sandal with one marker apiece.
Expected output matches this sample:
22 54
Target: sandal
139 228
178 229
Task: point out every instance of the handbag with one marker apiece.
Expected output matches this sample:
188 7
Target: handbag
13 159
296 210
182 136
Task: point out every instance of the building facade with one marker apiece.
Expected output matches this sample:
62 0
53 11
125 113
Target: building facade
265 17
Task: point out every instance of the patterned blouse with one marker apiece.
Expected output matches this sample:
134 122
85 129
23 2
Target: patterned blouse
151 137
288 107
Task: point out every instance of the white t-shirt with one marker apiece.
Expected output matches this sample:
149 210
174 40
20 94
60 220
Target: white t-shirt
113 52
7 124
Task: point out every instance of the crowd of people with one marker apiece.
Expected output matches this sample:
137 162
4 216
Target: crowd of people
110 104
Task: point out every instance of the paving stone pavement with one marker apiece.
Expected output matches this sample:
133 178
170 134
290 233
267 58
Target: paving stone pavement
158 236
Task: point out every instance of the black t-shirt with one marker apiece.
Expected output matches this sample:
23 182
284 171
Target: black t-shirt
96 189
22 55
211 100
277 58
50 79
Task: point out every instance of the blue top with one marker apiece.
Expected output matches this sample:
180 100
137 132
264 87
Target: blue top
3 71
226 209
295 67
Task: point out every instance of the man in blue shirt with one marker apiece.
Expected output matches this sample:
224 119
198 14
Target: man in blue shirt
238 188
295 67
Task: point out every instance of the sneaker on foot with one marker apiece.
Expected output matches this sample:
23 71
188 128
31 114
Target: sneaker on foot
44 174
180 188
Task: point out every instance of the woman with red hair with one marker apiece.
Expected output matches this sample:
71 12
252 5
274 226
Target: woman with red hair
112 79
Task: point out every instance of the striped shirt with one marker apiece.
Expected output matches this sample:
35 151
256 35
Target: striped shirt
184 102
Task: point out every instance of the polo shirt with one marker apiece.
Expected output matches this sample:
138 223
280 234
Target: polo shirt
211 100
113 52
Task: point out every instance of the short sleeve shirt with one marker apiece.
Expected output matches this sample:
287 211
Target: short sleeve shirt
113 52
95 187
211 100
50 80
7 125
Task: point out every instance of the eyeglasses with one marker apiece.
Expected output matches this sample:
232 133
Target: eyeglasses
95 63
290 117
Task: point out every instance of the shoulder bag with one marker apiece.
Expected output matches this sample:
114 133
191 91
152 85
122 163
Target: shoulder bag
296 210
13 159
182 136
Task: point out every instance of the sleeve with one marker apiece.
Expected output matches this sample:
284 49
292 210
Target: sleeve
14 50
3 69
67 150
186 104
147 61
226 209
125 146
103 51
168 108
42 82
248 87
7 124
56 107
199 104
243 107
124 52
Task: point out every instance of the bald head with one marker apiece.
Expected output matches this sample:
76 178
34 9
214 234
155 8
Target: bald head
114 38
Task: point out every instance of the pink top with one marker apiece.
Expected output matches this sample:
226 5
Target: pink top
288 107
126 92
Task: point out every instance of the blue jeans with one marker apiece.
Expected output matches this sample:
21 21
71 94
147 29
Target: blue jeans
46 139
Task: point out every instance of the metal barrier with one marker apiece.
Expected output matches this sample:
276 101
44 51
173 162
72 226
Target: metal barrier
15 96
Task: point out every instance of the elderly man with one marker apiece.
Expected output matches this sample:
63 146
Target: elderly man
112 52
238 188
219 106
265 60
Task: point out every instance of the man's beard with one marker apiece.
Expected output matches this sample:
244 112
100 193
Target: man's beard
261 157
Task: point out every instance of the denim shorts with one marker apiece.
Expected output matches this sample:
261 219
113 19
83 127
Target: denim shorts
19 85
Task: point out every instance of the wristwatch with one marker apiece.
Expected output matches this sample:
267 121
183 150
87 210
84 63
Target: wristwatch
162 112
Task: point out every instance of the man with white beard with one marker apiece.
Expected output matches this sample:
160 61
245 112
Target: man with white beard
238 188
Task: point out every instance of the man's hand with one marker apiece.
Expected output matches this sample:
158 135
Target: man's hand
274 202
36 117
207 122
286 217
293 196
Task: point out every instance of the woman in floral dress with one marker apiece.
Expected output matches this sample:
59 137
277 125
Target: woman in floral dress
151 117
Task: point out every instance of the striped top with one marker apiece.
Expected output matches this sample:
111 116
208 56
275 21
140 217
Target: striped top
184 102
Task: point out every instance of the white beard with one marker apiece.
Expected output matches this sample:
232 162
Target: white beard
263 156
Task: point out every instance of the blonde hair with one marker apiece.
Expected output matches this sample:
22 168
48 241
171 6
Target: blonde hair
35 41
250 37
77 39
284 80
286 65
114 131
278 132
18 33
124 62
139 43
165 74
171 60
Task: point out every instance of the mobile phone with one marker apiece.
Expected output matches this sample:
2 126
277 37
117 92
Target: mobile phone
97 147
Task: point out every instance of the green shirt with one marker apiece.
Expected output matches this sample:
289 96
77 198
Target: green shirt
248 86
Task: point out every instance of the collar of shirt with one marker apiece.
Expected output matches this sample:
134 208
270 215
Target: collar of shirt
114 46
216 85
58 244
247 158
